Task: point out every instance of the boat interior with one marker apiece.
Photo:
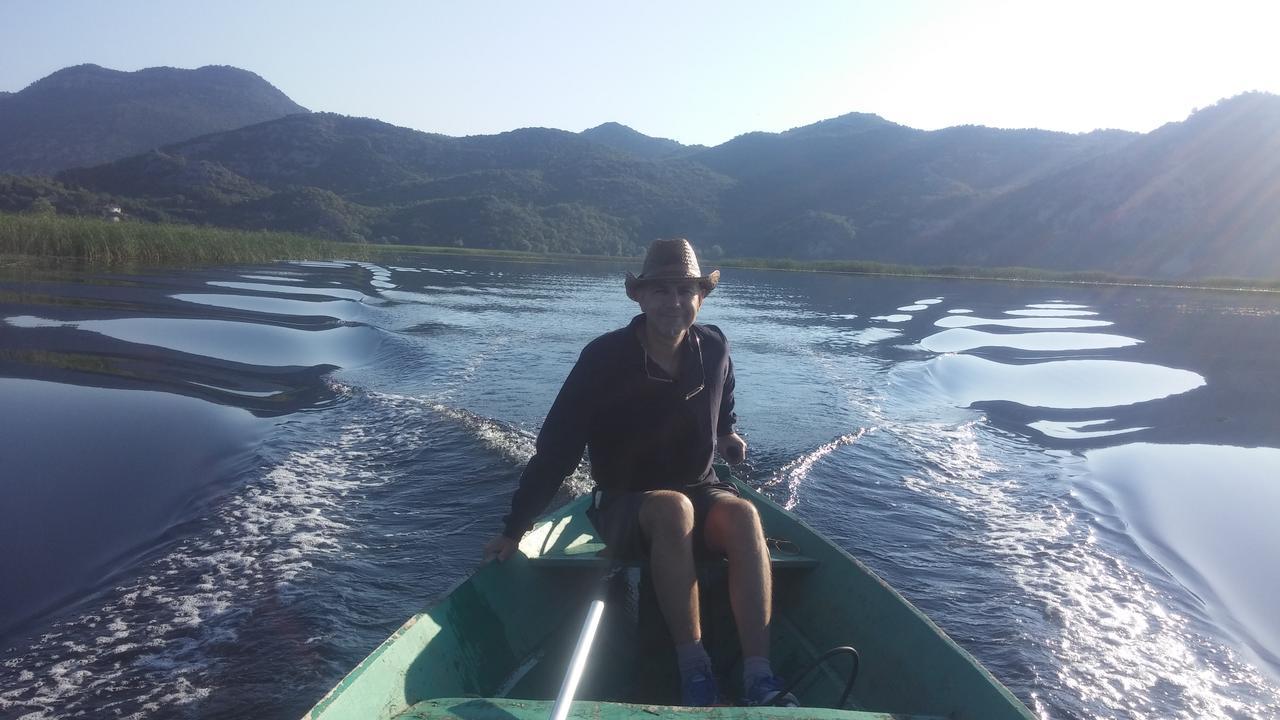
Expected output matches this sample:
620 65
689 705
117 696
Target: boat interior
500 643
631 670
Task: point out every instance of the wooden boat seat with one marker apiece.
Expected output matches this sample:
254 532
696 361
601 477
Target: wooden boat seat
512 709
571 543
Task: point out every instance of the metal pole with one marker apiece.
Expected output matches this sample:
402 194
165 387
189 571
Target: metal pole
579 662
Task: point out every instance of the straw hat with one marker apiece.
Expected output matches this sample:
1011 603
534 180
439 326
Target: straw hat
671 259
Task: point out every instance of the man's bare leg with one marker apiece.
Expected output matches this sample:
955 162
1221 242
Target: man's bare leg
666 517
733 528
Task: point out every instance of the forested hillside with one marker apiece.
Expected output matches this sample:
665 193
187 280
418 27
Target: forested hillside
1193 199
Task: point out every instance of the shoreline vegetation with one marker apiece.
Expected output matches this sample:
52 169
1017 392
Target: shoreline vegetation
99 242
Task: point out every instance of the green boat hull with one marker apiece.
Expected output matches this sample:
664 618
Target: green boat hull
498 644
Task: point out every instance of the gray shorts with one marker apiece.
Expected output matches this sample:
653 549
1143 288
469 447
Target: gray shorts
616 518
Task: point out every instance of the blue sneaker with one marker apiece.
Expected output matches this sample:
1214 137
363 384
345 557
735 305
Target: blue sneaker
699 689
764 690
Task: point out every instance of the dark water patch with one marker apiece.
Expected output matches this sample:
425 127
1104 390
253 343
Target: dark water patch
335 293
84 507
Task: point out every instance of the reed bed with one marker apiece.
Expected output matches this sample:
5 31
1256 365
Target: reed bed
104 242
134 243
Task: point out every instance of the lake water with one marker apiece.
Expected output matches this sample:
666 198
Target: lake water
221 488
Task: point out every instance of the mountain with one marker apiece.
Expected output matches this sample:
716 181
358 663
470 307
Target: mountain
1193 199
622 138
532 189
1198 198
859 186
849 187
87 115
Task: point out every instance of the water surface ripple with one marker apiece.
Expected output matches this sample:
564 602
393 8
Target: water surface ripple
247 478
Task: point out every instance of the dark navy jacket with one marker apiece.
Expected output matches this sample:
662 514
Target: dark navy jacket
643 430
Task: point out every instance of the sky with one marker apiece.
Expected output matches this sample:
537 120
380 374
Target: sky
698 72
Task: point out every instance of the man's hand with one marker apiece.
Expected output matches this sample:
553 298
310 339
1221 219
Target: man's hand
499 548
732 448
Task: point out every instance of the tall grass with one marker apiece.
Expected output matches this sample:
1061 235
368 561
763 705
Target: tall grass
103 242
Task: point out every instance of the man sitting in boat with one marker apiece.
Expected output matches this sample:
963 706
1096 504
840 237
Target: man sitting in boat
652 402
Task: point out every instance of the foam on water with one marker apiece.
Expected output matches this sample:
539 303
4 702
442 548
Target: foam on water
1124 645
157 633
329 292
873 335
792 475
514 444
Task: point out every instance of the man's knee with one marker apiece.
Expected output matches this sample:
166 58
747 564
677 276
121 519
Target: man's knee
734 512
733 521
664 512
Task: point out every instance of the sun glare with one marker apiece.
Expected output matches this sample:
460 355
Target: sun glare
1073 67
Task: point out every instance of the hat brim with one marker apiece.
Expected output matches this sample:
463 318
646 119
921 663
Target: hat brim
707 282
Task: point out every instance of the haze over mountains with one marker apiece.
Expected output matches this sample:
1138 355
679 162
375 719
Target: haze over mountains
1193 199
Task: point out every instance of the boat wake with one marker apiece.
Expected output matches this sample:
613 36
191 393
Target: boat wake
792 475
1123 638
149 643
512 443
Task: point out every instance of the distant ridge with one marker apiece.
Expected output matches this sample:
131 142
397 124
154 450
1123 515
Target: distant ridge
843 125
87 114
357 178
1190 199
620 137
1194 199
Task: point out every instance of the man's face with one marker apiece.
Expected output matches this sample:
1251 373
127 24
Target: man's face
670 307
